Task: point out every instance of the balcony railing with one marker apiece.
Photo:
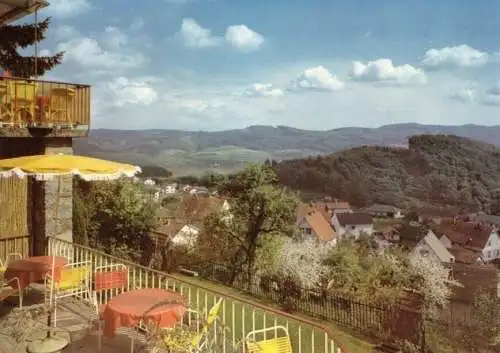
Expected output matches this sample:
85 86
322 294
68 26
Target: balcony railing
43 104
237 315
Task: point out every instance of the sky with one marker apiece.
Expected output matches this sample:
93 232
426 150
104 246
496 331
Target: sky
311 64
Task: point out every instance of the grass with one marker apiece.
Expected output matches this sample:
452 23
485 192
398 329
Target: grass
234 311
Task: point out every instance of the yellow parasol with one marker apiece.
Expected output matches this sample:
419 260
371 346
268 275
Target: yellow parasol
46 167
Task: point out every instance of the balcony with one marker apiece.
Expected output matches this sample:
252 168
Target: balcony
237 316
37 107
11 10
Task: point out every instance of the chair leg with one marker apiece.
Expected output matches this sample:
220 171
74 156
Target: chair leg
99 336
132 345
21 294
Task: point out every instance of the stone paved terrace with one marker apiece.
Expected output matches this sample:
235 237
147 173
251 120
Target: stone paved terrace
20 326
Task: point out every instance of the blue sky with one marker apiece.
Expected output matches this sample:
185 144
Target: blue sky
312 64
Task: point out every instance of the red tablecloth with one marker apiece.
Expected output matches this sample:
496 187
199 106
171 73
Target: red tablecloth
34 269
129 308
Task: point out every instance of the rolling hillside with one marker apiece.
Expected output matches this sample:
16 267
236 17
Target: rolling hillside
443 170
190 152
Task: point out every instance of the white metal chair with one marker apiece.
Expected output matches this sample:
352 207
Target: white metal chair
107 278
74 281
5 264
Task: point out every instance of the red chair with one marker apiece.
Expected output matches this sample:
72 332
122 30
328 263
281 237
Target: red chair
107 278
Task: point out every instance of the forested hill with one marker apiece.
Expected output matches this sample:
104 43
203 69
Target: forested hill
435 169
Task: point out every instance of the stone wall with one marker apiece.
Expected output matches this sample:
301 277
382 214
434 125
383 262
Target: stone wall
59 196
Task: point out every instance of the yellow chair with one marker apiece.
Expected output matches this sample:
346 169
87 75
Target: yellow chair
74 281
61 103
198 340
21 98
276 344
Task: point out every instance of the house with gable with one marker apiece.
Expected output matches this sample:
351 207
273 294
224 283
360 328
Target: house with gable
352 224
384 211
477 237
431 247
314 225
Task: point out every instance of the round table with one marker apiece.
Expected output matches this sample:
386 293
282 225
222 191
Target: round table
34 269
129 308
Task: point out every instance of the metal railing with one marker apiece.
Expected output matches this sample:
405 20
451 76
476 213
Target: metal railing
43 104
238 316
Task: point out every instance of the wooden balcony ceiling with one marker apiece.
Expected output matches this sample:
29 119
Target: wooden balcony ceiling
11 10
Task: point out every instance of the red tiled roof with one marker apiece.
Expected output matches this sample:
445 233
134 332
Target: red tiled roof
320 226
356 218
473 235
304 208
340 205
465 256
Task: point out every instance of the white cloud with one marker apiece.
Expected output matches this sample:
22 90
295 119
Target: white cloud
264 90
317 79
243 38
383 70
465 95
105 54
492 96
127 92
67 8
195 36
458 56
114 38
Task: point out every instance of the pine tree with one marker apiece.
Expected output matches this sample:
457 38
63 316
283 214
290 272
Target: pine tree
16 37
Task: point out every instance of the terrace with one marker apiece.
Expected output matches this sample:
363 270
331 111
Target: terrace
40 104
237 316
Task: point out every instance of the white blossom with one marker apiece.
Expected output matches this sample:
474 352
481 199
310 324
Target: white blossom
303 261
435 282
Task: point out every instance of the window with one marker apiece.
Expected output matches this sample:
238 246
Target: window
307 230
424 252
352 227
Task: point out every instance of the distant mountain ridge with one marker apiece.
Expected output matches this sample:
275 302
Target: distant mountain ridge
195 152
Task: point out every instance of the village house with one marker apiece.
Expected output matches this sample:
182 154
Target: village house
170 189
473 236
335 206
199 191
384 211
352 224
149 182
430 247
313 225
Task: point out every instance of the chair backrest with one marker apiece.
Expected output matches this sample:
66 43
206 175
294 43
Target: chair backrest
276 344
22 90
212 315
110 277
75 275
61 97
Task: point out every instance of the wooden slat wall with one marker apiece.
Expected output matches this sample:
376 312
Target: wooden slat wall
14 245
13 207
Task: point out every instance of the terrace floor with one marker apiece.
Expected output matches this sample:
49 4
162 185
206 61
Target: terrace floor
18 327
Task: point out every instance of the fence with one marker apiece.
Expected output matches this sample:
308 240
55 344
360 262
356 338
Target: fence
237 315
402 321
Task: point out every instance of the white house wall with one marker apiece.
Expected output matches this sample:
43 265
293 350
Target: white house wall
492 249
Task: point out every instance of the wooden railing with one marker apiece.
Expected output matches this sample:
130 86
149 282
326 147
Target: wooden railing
238 316
43 104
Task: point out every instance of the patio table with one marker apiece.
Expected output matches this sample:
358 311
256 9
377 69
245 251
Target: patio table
34 269
129 308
